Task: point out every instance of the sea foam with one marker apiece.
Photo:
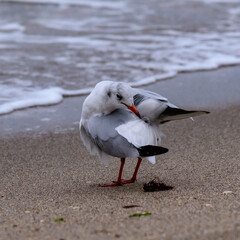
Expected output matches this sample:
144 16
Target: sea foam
90 3
57 54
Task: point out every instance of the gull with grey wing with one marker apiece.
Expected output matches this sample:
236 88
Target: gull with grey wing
122 122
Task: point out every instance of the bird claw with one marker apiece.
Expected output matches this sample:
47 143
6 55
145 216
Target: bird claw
117 183
125 181
114 184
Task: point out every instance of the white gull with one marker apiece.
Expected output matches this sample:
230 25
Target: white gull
122 122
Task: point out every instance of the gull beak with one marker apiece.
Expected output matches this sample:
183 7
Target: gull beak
134 110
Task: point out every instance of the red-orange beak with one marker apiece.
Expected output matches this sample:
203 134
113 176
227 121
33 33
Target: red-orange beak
134 110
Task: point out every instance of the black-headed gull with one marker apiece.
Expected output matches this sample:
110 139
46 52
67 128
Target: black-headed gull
121 121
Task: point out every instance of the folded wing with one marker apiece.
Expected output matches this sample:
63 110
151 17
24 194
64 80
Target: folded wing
156 108
100 130
121 134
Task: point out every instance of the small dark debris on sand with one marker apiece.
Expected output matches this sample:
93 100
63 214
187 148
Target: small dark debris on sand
156 185
131 206
58 220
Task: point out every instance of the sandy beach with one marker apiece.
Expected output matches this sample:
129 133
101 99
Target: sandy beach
49 176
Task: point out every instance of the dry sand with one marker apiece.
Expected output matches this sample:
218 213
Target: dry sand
53 176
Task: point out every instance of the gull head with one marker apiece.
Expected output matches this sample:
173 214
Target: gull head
108 96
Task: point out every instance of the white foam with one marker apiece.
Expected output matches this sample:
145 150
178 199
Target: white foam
45 119
33 98
153 79
11 26
220 1
89 3
8 46
143 52
18 37
27 97
181 52
50 96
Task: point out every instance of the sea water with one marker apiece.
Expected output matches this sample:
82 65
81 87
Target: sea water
50 49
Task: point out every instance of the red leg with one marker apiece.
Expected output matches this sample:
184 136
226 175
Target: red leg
134 177
119 181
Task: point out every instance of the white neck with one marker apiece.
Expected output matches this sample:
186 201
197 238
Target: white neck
93 105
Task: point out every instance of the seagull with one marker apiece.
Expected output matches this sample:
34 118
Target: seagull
120 121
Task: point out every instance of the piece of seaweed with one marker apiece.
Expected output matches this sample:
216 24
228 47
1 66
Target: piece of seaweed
156 185
140 214
58 220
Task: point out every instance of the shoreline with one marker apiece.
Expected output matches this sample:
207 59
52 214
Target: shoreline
207 90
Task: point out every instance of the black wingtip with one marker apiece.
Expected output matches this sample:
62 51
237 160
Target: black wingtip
169 111
149 150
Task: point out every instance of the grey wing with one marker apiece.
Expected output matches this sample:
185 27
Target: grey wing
101 131
145 94
155 108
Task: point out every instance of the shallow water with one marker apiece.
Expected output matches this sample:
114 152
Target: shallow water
57 48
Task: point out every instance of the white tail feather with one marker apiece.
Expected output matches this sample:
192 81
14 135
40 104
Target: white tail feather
139 133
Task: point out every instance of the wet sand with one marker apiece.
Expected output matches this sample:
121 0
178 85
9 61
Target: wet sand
218 89
50 176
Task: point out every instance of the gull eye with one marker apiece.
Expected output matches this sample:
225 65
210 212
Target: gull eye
119 97
109 94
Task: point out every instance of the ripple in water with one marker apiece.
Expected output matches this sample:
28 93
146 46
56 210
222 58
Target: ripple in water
57 48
